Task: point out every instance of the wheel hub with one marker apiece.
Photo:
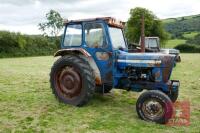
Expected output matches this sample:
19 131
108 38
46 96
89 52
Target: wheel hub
152 109
69 82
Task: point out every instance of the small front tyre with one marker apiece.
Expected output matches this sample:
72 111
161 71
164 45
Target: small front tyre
154 106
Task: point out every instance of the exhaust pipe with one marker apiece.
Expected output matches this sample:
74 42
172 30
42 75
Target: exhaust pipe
142 35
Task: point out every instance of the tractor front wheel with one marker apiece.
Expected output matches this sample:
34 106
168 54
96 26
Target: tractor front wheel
72 80
154 106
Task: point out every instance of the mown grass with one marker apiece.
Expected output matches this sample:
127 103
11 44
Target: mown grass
27 104
174 42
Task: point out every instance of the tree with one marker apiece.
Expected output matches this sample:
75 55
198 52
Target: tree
153 26
53 25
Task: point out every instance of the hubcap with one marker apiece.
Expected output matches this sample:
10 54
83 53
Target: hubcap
153 109
68 82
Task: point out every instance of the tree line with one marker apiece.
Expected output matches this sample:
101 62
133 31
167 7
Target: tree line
179 26
17 45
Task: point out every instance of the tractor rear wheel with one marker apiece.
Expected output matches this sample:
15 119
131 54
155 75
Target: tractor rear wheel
154 106
72 80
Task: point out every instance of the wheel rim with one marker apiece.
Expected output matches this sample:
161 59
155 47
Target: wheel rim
153 109
68 82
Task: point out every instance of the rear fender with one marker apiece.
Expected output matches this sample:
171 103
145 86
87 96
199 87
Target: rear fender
86 56
76 51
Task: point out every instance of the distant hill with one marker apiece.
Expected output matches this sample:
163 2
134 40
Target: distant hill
181 25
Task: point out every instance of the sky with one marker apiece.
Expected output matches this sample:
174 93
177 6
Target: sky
24 15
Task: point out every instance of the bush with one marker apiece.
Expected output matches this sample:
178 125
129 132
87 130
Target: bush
15 45
188 48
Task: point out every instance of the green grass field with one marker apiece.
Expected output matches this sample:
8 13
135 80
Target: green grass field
174 42
190 35
27 104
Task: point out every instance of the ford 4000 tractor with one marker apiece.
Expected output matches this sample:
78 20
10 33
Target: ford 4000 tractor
94 57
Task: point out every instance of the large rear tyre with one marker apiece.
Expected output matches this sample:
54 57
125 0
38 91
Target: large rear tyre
72 80
154 106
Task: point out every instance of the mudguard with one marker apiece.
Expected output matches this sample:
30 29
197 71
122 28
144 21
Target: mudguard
72 51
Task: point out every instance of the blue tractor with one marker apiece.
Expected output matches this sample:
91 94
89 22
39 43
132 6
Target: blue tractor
94 56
